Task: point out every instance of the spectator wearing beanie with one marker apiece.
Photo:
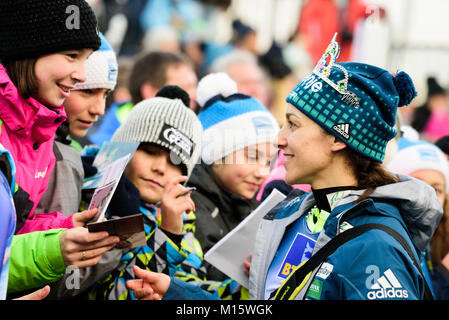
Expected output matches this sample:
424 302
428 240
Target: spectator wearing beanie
42 56
426 162
360 232
170 144
237 150
44 33
83 107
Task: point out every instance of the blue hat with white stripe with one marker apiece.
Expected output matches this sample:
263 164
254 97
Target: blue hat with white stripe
231 121
101 68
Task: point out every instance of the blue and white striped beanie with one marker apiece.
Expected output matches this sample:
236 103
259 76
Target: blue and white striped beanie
101 68
231 120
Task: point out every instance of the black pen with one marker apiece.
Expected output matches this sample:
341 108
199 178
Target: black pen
188 190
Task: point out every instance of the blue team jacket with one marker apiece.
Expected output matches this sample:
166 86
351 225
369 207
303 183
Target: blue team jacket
373 266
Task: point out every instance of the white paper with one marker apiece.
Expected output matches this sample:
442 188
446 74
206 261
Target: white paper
108 183
232 250
101 198
109 153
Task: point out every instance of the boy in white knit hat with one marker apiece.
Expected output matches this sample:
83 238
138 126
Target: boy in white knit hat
85 104
169 133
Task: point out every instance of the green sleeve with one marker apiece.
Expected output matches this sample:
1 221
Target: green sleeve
35 260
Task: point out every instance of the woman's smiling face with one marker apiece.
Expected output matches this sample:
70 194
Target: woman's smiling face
306 146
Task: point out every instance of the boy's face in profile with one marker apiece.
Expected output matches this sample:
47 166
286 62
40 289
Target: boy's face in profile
149 170
83 107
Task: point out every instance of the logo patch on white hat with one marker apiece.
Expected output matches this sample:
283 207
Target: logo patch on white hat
176 138
262 125
112 70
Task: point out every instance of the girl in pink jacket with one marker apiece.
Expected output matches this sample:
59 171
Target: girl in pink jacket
43 47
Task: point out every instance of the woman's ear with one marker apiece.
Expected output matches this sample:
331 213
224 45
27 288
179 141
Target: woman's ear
337 144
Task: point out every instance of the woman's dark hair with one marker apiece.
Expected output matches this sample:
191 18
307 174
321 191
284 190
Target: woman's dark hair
21 73
369 173
439 245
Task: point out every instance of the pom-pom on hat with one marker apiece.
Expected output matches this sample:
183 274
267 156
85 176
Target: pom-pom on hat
231 120
101 68
417 155
31 28
355 102
173 92
168 123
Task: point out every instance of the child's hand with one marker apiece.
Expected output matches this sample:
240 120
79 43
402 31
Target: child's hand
173 205
150 285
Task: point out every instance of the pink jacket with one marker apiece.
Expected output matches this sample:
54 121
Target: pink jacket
27 130
278 173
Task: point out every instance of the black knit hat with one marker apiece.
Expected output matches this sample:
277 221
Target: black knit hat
31 28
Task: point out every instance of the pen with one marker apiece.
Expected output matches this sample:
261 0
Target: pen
188 190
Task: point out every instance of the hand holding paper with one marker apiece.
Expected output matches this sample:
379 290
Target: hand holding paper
82 248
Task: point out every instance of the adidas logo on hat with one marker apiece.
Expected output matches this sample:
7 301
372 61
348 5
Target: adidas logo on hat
342 129
387 287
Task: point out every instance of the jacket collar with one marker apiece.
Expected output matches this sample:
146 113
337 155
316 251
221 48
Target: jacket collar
411 201
204 180
27 117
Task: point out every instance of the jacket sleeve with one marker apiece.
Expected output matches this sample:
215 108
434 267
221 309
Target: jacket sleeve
35 260
63 192
181 290
46 221
77 280
379 269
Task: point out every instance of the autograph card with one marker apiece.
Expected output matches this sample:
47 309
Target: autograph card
101 198
130 229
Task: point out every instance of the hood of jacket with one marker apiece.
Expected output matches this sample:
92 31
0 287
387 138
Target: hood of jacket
416 202
204 180
27 116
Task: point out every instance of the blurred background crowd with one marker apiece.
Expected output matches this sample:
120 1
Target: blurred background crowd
267 46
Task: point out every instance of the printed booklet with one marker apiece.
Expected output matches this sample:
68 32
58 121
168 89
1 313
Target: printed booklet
228 254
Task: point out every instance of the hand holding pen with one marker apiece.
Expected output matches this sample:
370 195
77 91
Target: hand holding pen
175 201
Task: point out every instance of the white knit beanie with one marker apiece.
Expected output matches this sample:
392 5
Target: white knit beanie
231 121
101 68
166 122
417 155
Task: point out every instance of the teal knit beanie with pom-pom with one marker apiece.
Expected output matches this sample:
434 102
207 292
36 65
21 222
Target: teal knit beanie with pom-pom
355 102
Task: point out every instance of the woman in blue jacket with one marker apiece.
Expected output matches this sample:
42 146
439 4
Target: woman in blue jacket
360 232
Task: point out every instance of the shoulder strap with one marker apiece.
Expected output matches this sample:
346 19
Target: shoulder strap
289 288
